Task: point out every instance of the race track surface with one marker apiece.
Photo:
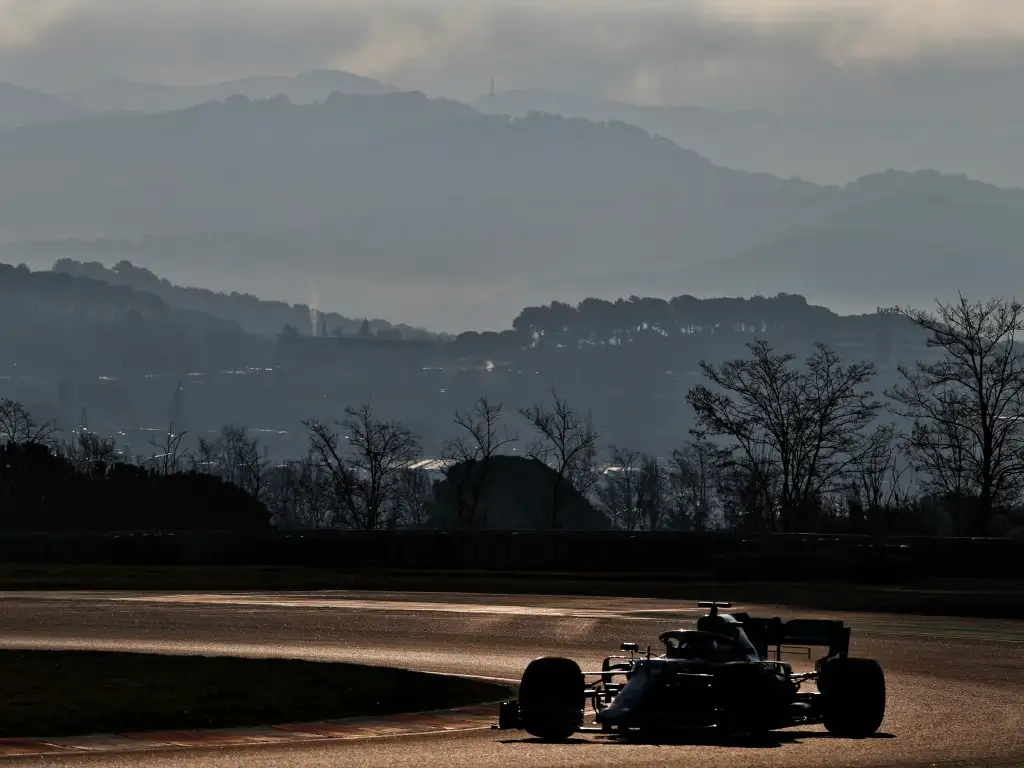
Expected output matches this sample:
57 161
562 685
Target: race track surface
956 686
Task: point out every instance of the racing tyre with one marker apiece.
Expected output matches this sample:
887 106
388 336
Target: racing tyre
551 698
853 697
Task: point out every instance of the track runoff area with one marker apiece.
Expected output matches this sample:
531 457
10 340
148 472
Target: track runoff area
954 688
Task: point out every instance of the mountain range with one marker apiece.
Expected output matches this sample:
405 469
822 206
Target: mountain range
21 107
972 127
811 142
429 212
303 88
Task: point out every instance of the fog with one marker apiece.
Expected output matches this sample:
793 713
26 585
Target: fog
885 54
456 233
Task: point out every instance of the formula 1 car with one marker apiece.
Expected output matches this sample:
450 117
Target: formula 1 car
718 676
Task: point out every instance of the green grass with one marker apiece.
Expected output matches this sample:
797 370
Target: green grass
68 693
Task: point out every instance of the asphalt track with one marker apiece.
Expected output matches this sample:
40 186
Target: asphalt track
956 686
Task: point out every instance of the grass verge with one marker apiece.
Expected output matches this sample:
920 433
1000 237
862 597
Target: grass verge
71 693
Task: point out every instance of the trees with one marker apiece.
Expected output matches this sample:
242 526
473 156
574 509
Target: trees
694 481
802 428
89 452
566 442
414 500
171 455
633 490
365 483
637 319
619 493
17 425
877 484
652 500
473 452
967 407
748 492
296 495
236 457
86 485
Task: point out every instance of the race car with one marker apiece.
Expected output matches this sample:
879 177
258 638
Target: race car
720 675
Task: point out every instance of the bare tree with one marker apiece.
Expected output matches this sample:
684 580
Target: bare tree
170 456
207 456
651 498
297 495
414 499
694 480
632 492
238 459
89 452
584 473
468 458
619 493
567 443
805 426
17 425
878 483
365 466
967 407
747 489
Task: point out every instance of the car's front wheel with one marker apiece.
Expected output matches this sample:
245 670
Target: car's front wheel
551 698
853 697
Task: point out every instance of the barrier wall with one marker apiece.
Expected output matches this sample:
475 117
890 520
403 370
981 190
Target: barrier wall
763 557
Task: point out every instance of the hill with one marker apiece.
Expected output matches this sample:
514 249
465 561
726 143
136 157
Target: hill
362 193
303 88
252 314
517 496
21 107
430 213
816 141
57 323
897 238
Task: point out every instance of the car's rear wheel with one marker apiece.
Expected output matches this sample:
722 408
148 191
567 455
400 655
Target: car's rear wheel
853 697
551 698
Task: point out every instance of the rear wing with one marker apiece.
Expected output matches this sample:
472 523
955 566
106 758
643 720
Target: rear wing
765 633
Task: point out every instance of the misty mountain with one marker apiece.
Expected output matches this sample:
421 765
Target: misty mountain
394 187
898 238
21 107
254 315
430 213
824 144
53 322
303 88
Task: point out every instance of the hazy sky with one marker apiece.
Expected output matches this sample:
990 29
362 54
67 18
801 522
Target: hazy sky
736 52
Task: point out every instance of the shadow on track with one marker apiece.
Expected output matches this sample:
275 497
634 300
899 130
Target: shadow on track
773 740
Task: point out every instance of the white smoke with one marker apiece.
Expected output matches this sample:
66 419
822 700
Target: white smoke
314 309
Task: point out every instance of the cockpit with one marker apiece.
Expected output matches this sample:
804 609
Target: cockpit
707 646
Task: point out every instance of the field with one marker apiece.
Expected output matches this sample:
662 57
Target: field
68 693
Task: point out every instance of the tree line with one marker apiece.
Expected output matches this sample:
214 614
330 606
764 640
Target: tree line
49 484
623 321
780 444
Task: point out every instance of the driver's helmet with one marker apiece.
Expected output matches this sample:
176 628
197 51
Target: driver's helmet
722 624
